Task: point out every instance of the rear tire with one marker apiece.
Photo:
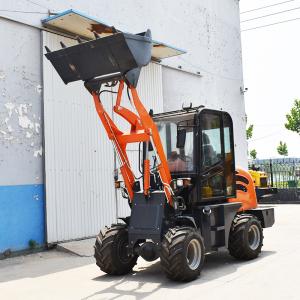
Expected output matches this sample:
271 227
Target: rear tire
111 251
246 237
182 253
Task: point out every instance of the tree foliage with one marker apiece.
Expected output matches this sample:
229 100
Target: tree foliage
249 131
293 118
282 149
253 154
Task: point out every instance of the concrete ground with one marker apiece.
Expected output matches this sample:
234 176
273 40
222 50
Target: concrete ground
58 275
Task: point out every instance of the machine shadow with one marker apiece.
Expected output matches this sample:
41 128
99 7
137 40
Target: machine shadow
144 281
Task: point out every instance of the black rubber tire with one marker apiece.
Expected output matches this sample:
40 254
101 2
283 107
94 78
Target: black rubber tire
239 245
173 254
110 250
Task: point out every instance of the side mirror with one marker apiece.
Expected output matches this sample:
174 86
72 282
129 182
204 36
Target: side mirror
181 136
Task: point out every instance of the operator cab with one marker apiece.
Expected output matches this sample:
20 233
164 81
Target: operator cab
199 149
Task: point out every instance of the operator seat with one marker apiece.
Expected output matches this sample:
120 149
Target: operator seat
209 154
176 163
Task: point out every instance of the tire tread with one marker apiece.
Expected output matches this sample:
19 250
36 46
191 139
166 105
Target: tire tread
104 253
237 246
172 249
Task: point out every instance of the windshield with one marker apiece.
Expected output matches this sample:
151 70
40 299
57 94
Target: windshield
179 159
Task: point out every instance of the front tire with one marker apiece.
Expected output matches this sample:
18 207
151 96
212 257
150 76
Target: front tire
246 237
111 251
182 253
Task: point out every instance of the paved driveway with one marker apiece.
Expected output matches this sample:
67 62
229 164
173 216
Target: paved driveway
274 275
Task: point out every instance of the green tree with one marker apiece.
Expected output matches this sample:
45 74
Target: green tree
282 149
253 154
249 131
293 118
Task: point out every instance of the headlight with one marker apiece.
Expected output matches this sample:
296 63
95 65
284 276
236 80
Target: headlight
185 182
179 182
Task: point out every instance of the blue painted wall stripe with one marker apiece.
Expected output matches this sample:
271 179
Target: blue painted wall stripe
22 216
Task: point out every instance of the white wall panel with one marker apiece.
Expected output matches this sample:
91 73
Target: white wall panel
80 197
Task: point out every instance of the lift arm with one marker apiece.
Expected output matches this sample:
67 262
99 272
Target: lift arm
117 59
143 129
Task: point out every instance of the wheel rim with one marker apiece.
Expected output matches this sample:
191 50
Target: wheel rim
254 237
193 254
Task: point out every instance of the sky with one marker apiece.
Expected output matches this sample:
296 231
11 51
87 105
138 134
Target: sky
271 65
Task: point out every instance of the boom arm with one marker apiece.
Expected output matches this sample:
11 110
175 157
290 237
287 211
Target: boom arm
143 129
117 58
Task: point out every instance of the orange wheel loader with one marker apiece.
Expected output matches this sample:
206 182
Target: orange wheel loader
190 200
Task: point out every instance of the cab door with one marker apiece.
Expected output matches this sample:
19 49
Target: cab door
216 161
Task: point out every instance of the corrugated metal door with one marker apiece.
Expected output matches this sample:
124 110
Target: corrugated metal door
79 159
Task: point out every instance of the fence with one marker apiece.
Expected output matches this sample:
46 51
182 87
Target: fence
282 173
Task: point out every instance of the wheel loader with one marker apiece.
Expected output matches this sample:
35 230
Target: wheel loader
260 179
190 200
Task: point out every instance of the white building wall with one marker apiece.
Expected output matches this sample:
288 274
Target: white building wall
208 29
21 135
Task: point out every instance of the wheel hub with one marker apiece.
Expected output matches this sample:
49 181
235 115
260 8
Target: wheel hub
193 254
253 237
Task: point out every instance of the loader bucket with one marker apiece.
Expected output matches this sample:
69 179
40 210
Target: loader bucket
118 56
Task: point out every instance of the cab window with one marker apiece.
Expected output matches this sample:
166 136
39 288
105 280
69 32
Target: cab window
211 140
212 174
229 155
180 160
